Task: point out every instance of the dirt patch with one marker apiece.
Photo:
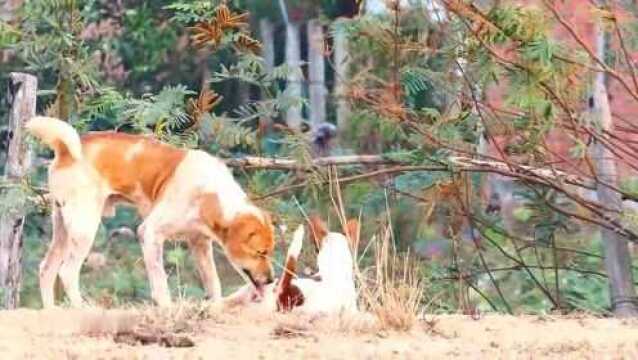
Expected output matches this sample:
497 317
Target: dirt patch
92 334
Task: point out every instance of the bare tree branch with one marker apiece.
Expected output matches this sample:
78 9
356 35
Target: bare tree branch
290 164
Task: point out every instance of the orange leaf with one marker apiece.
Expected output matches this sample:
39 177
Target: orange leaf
228 20
246 42
206 33
205 102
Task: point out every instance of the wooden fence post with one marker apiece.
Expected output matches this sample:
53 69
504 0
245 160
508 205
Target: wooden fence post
22 97
293 84
341 76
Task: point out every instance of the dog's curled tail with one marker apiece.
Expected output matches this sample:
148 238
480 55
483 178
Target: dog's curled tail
58 135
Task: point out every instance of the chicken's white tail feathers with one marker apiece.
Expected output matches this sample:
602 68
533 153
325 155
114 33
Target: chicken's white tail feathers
57 134
297 241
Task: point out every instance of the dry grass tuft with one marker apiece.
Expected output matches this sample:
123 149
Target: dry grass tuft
391 289
182 317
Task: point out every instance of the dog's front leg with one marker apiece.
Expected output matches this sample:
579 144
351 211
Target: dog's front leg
152 242
202 250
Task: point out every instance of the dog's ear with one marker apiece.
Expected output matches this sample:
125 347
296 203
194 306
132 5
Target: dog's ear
318 230
353 231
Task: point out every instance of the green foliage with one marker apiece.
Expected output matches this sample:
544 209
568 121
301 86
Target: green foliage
250 69
9 35
229 134
415 80
189 12
538 66
156 110
545 220
51 43
145 45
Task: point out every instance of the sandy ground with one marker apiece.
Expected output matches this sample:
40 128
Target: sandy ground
89 334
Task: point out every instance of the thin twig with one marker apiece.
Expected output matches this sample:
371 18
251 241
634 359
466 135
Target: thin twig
590 52
465 206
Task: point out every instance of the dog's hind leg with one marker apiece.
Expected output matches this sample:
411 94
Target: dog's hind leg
52 261
202 250
82 218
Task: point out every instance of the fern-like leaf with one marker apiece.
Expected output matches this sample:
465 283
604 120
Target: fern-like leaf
206 34
283 71
229 134
229 20
204 103
255 110
414 81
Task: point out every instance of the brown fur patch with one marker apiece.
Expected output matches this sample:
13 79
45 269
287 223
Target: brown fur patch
318 230
288 295
248 230
211 212
289 298
130 163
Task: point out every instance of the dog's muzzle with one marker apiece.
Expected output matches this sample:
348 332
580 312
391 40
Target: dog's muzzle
258 283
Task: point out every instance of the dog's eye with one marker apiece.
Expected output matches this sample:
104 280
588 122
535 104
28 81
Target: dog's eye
262 253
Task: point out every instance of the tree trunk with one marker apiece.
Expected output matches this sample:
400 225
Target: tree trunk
293 86
267 33
341 75
617 259
316 73
22 97
268 43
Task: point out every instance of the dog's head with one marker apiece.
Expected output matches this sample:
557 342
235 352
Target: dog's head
249 243
248 239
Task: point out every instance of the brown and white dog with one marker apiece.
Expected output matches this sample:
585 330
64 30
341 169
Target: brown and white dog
176 191
331 290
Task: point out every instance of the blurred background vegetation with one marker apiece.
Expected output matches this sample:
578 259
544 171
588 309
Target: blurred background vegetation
409 91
